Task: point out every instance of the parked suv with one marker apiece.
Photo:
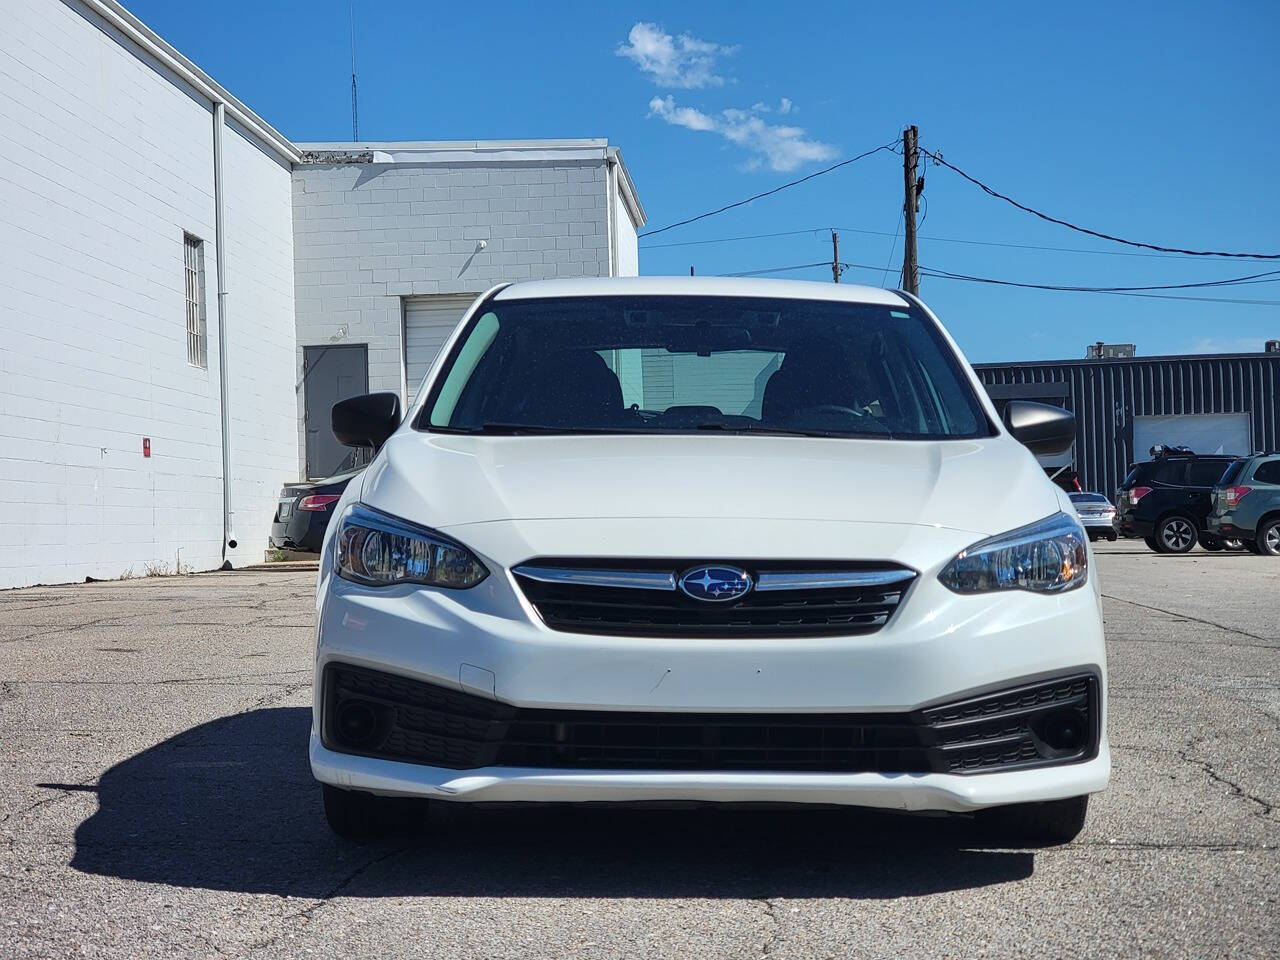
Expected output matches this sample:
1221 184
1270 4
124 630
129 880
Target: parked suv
708 540
1166 500
1246 503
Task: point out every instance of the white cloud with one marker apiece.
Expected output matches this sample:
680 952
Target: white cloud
778 146
682 62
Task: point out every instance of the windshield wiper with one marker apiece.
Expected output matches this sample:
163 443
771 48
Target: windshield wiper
785 432
515 429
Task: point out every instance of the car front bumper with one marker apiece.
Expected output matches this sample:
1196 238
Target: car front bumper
489 642
924 791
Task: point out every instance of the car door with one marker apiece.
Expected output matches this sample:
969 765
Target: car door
1202 474
1168 489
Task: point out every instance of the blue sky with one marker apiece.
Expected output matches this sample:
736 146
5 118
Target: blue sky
1154 121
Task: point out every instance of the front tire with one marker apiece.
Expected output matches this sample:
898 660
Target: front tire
1212 544
1175 534
1151 542
355 815
1036 824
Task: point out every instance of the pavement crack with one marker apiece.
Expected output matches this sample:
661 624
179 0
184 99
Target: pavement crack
1268 641
63 791
771 926
338 888
1237 790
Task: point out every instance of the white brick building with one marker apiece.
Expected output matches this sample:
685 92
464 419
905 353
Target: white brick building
107 172
393 241
120 451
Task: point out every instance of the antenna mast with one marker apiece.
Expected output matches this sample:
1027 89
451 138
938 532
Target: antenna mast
355 110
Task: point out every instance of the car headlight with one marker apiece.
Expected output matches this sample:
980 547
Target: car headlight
1048 556
379 550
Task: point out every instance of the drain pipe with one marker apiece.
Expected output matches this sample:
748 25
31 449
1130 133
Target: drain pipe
224 397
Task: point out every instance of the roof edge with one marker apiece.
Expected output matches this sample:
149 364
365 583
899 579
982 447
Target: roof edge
1180 357
627 189
150 42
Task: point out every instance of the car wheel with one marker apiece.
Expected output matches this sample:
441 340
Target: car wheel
1252 546
1212 544
1151 542
1269 538
1235 546
1175 534
355 815
1036 824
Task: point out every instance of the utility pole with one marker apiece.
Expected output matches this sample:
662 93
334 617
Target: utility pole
835 256
911 201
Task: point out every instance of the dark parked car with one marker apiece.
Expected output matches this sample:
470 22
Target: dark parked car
1246 503
1166 500
304 511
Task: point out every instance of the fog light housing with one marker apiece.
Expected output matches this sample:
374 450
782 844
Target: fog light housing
356 722
1064 730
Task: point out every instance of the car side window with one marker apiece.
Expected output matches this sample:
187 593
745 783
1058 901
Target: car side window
1170 473
1205 473
1268 472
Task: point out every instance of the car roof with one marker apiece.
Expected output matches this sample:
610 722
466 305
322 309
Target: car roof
701 286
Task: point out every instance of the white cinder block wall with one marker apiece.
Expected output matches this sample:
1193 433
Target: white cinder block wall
105 161
406 220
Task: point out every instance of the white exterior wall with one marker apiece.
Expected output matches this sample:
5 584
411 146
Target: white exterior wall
628 243
105 161
367 235
262 337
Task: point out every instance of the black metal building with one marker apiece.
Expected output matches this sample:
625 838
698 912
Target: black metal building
1213 403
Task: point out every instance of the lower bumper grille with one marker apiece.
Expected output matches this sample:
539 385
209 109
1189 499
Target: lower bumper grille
375 714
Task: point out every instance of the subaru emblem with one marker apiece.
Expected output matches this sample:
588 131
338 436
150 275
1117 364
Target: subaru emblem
715 583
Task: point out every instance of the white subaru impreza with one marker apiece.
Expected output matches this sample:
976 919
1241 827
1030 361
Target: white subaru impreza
708 540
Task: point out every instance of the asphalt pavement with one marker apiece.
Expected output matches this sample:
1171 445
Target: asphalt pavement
156 801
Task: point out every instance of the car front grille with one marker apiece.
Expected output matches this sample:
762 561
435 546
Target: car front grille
376 714
794 598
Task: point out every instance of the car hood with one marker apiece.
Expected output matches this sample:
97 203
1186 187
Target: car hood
980 486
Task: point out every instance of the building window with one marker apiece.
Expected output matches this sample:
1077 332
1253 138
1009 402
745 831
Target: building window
193 271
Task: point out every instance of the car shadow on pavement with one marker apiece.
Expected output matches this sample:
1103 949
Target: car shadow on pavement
230 805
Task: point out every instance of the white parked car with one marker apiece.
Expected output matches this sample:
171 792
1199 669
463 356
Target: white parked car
708 540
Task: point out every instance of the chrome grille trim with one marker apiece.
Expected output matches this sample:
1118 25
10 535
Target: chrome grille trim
661 580
830 579
629 579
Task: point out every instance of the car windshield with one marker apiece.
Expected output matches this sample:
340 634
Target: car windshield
1087 498
680 364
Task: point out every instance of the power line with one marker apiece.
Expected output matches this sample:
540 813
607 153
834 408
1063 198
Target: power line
1274 276
937 158
892 247
768 193
794 266
932 239
754 236
1149 292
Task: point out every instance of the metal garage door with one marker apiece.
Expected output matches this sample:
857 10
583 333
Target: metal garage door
1202 432
428 321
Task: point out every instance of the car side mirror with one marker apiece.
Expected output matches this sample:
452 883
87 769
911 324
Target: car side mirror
1042 428
367 420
